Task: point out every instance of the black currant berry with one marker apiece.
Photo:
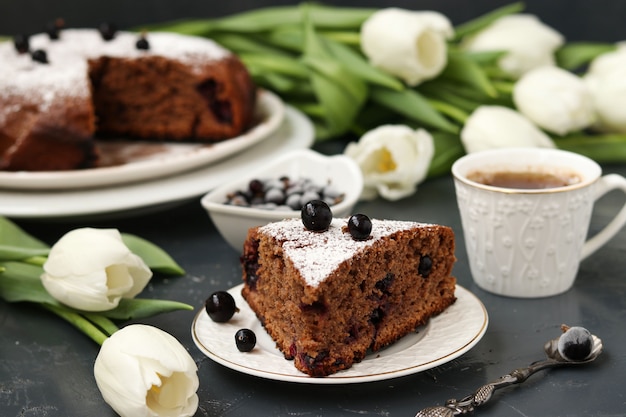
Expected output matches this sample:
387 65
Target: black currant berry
53 29
220 306
316 215
256 186
377 316
107 31
22 43
245 339
281 193
575 344
142 43
425 265
359 226
39 55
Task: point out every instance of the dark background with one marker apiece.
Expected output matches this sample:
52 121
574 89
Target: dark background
597 20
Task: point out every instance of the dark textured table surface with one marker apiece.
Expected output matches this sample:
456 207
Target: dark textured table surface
46 365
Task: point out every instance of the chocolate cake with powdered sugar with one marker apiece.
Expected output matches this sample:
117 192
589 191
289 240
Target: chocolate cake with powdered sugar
56 94
327 299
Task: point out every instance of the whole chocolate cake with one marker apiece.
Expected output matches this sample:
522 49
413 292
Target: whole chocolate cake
57 92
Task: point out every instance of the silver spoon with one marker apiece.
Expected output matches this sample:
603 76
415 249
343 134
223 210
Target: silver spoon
483 394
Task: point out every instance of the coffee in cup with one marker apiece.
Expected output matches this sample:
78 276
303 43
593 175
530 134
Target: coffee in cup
527 179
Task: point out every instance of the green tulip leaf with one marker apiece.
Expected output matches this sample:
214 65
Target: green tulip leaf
290 38
340 94
451 111
247 44
485 58
348 38
276 64
192 27
354 62
452 97
138 308
414 106
21 282
358 65
575 55
334 72
448 148
16 244
462 69
276 82
15 253
475 25
312 109
265 19
339 108
156 258
602 148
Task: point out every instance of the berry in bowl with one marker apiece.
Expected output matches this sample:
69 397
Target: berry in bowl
279 191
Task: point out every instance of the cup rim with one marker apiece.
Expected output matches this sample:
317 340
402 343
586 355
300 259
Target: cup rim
460 176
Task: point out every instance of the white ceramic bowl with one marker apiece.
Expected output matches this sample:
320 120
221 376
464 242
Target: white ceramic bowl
233 222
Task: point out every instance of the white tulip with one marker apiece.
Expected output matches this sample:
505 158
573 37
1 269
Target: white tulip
606 80
142 371
490 127
554 99
608 62
528 43
408 44
92 269
393 160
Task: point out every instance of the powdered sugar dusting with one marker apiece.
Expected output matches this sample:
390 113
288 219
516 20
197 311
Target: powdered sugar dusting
66 73
318 254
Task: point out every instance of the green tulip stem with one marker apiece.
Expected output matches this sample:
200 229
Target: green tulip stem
78 321
449 110
35 260
102 322
504 87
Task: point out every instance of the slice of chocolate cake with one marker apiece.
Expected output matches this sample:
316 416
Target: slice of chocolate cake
327 299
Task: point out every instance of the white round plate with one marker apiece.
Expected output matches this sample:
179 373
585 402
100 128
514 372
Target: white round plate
444 338
126 161
296 132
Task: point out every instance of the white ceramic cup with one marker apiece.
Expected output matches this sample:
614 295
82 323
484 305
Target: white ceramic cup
529 242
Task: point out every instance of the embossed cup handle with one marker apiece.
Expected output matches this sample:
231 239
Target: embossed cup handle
604 185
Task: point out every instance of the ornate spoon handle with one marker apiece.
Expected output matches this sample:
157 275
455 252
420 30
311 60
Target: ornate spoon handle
466 405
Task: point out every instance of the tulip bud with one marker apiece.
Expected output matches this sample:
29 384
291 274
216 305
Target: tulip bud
554 99
410 45
528 43
608 62
92 269
393 160
142 371
490 127
606 80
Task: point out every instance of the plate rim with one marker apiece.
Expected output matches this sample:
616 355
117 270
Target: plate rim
269 105
337 378
296 132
